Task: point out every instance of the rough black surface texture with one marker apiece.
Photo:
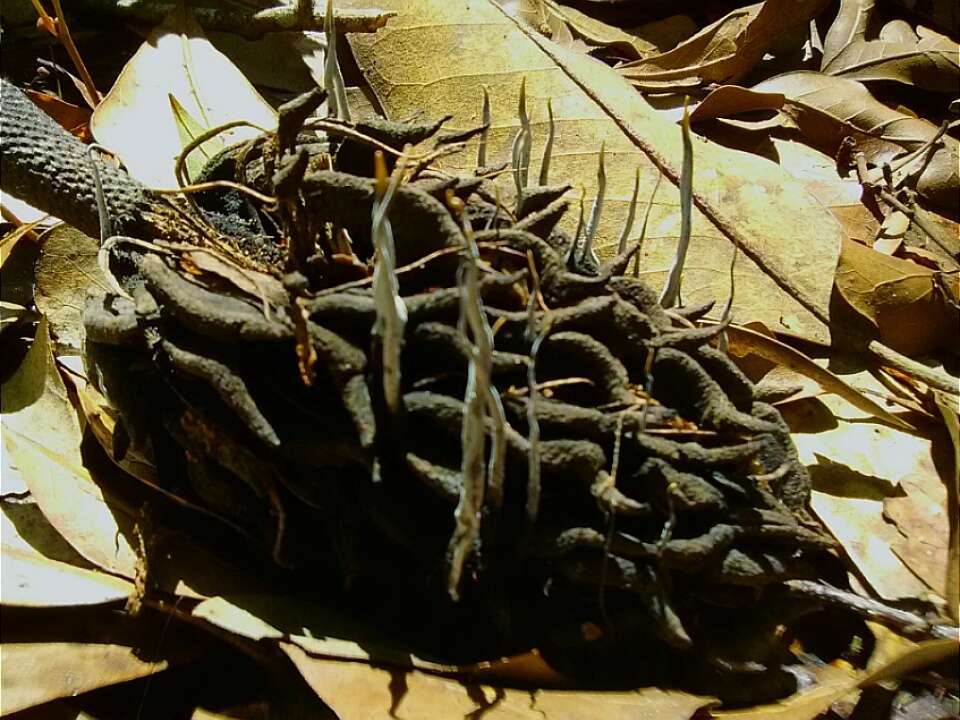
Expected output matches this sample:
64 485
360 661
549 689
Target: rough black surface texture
49 168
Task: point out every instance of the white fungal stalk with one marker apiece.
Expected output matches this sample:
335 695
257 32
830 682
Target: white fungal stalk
520 154
482 407
593 223
391 317
337 106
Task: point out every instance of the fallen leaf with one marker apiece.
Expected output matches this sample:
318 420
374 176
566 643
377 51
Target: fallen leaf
724 51
728 100
9 241
135 119
590 30
951 418
790 245
24 528
35 673
826 109
189 130
921 513
847 28
841 196
31 580
855 464
286 69
930 61
921 518
832 684
11 314
744 341
903 301
894 657
72 118
357 690
65 274
320 631
42 435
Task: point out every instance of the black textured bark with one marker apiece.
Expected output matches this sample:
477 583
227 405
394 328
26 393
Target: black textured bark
47 167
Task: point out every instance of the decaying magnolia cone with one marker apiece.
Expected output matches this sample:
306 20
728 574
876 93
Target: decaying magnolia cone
644 490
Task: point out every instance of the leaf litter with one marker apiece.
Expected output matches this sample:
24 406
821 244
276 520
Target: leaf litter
902 510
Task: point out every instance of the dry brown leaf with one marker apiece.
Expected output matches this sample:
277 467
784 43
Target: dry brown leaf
357 690
951 418
135 118
893 658
901 299
728 100
827 109
832 684
72 118
547 14
42 435
789 244
744 340
855 464
921 518
896 656
850 26
841 196
924 59
726 50
31 580
9 241
323 633
66 272
35 673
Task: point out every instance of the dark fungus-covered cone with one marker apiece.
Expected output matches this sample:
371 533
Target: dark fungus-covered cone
635 510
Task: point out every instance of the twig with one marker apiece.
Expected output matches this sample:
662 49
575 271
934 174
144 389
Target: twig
57 26
906 622
932 377
215 184
889 198
250 25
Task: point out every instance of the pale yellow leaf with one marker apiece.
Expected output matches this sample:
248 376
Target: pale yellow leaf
42 435
31 580
437 56
35 673
65 274
357 690
135 119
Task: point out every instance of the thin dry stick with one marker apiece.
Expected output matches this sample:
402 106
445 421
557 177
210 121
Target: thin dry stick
902 620
179 171
57 26
213 185
931 376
